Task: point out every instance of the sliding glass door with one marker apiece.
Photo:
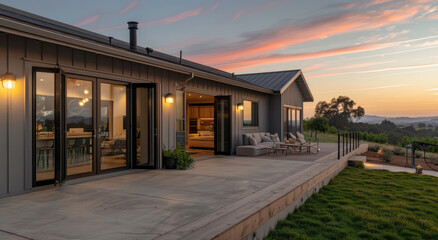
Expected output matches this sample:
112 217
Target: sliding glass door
44 127
80 126
222 125
144 122
113 126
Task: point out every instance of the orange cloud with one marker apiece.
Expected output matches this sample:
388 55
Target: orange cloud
88 20
376 70
129 7
358 65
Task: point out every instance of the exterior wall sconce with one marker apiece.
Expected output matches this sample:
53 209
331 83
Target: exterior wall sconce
240 106
168 98
8 80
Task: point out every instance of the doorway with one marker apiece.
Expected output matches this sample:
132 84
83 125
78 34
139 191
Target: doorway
200 125
208 125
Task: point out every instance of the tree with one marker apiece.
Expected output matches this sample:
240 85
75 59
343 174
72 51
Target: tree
339 111
319 124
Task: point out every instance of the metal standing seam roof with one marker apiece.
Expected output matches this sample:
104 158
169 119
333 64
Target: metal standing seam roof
279 81
268 80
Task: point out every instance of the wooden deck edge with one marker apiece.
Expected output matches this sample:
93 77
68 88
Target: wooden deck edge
258 225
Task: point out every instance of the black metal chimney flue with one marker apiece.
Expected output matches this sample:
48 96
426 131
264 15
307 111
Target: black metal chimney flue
132 26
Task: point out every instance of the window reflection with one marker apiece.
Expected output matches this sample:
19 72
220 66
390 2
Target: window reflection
112 126
79 123
45 126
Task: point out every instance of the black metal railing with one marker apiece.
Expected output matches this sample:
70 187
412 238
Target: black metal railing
347 142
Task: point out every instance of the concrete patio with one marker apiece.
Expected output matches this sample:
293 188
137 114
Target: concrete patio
163 204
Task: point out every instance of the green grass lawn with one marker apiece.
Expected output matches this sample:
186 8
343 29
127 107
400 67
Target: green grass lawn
367 204
323 137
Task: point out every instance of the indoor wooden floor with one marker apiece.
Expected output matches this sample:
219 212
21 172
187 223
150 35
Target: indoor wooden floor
108 162
197 153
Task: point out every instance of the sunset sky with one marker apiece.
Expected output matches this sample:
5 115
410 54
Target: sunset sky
381 53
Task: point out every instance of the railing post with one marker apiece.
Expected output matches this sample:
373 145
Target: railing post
343 144
349 135
346 143
354 140
358 139
339 146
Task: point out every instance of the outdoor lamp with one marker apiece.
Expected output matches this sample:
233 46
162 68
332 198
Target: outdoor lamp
168 98
8 80
240 106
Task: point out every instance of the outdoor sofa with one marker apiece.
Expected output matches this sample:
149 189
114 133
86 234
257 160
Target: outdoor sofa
260 148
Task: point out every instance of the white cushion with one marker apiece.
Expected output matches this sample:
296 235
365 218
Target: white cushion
301 138
257 137
290 135
252 141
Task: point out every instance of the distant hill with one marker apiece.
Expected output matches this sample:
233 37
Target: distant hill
405 121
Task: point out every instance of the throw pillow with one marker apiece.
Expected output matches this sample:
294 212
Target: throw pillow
290 135
257 137
266 139
252 141
275 138
301 138
246 138
291 140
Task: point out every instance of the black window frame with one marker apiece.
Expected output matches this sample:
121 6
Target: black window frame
254 113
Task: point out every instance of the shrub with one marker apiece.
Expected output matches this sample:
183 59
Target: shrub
183 159
373 148
332 130
357 164
387 155
398 151
371 137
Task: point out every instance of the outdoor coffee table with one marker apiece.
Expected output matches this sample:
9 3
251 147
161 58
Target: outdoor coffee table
277 149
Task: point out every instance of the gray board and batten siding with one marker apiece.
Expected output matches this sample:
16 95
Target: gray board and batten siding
28 41
16 105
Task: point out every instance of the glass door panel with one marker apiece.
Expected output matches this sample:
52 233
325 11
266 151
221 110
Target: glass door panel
222 125
79 126
112 126
144 131
44 126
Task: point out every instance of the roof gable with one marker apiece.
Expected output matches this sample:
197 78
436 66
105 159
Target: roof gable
279 81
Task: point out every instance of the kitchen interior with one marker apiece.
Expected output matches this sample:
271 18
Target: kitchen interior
200 120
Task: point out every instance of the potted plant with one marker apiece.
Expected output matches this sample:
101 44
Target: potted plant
183 159
169 161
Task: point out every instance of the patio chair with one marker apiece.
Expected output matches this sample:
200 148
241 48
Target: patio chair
311 145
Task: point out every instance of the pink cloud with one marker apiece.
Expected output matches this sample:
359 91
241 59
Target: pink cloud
313 67
88 20
129 7
314 29
279 58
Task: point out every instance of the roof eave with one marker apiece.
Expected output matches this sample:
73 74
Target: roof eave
15 26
